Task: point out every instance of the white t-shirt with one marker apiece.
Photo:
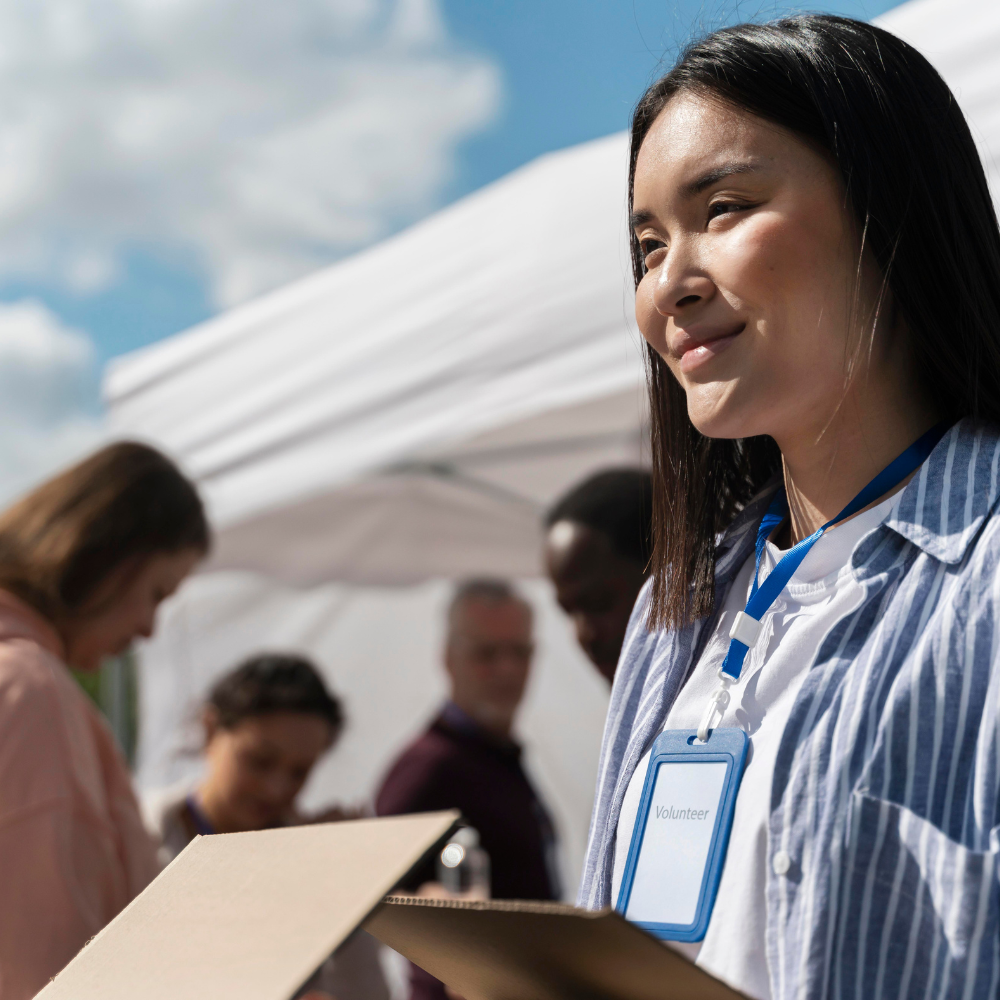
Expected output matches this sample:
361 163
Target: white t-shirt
820 593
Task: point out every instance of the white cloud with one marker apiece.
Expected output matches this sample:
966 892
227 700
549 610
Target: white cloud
48 393
267 136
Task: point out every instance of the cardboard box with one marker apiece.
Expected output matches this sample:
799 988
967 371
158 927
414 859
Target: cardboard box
250 916
506 950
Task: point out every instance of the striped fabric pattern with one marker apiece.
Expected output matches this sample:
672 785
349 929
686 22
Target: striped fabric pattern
885 791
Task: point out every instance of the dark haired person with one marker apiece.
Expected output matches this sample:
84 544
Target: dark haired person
467 758
817 263
267 723
84 561
598 544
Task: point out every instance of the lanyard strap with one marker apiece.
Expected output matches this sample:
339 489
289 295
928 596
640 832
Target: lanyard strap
746 629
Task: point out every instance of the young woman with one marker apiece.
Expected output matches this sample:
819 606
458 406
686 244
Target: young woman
817 263
84 561
267 723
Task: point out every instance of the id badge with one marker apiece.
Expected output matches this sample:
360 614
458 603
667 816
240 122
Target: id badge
681 832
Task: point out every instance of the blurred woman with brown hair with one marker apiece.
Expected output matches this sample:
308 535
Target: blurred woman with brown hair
84 562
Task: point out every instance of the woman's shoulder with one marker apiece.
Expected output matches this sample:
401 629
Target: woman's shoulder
29 680
31 671
949 509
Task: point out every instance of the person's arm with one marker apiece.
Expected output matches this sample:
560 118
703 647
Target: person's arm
45 916
52 898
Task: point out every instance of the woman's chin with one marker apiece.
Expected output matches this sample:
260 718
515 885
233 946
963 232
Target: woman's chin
716 410
720 424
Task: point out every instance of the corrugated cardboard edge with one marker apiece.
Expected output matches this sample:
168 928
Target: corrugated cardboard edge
504 905
542 908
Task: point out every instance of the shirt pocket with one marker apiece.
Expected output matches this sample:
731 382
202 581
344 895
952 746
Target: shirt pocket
919 913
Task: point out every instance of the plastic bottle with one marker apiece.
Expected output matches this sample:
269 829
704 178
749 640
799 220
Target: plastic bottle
463 867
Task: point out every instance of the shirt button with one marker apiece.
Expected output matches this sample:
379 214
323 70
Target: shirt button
781 862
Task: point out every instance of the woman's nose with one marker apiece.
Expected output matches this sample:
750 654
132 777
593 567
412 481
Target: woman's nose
680 284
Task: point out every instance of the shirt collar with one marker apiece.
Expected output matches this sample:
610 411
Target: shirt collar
943 507
940 510
459 721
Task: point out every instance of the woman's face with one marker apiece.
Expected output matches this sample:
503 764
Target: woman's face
258 767
751 257
123 608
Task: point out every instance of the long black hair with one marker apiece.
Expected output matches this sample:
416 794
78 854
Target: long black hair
914 179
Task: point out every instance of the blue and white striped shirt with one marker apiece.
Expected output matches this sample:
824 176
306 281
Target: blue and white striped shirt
886 788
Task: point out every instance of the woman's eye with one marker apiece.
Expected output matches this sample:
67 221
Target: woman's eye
725 208
650 246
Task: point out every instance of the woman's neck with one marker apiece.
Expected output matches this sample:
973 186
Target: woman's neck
824 472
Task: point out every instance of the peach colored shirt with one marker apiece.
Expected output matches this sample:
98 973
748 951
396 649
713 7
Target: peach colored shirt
73 851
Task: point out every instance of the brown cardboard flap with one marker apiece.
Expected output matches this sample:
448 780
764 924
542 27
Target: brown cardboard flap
504 950
248 916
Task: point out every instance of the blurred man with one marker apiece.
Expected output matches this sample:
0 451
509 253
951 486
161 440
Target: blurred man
467 760
597 550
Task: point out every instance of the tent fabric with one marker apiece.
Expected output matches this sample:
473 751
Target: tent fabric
961 39
406 413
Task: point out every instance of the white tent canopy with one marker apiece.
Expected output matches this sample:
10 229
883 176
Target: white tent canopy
404 414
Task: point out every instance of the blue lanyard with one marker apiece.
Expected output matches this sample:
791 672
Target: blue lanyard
762 596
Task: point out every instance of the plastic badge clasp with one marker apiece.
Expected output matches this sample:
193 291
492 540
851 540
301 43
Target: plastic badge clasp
746 629
718 702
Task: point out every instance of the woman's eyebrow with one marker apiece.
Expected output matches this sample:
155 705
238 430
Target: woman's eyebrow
640 218
706 180
719 173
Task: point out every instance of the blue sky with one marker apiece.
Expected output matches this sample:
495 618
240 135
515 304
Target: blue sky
566 72
573 70
162 162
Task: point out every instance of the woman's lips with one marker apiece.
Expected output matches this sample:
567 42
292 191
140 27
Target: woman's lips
701 352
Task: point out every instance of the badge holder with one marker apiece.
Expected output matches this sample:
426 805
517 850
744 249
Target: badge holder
682 831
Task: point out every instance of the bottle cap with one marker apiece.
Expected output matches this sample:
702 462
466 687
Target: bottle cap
467 836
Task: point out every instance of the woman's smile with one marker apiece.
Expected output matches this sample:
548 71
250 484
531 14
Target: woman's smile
696 346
